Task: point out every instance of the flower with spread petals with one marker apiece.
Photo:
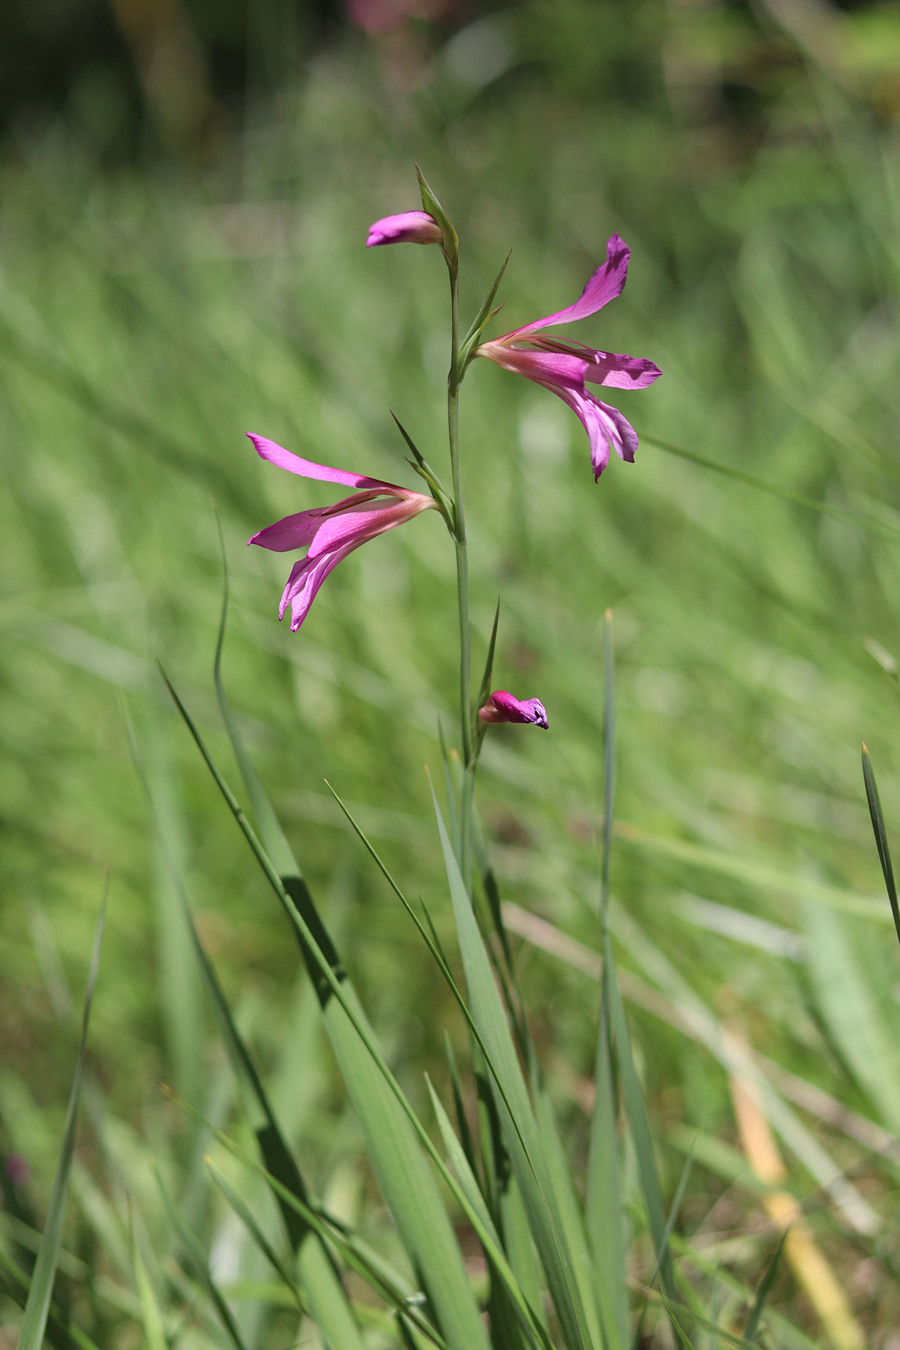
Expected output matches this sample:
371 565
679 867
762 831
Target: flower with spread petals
565 367
504 707
330 533
410 227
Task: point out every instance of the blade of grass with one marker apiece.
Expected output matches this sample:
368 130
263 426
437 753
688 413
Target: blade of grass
385 1282
262 1242
389 1124
604 1214
762 1294
437 954
40 1293
881 843
847 515
327 1295
570 1213
638 1125
196 1260
152 1321
514 1107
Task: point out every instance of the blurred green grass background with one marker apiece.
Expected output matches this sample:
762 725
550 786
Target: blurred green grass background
183 262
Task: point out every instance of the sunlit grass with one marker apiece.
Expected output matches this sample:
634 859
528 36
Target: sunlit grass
146 323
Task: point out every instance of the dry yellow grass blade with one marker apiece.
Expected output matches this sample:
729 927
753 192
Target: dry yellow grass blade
809 1264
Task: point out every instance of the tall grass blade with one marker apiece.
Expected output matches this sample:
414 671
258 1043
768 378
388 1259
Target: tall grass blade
638 1126
327 1295
486 312
265 1246
846 516
604 1215
762 1294
194 1257
388 1122
353 1253
881 843
153 1324
514 1109
40 1293
569 1209
523 1302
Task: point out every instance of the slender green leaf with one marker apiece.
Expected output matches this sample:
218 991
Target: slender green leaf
384 1281
194 1257
881 843
846 515
604 1215
40 1293
327 1295
485 313
262 1242
637 1123
380 1105
762 1293
563 1182
60 1332
152 1321
519 1245
514 1107
525 1302
424 470
431 204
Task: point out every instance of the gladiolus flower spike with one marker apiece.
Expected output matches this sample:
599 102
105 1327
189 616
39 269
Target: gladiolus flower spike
330 533
410 227
565 367
504 707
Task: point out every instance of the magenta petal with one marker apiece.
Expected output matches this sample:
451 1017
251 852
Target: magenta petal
502 706
291 532
607 428
409 227
284 459
358 527
606 283
617 371
547 367
304 583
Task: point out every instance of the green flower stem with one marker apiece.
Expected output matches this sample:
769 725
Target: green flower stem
462 581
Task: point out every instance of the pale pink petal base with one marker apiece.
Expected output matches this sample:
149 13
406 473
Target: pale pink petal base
502 706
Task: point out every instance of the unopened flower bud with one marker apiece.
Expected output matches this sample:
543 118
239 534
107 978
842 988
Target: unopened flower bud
410 227
504 707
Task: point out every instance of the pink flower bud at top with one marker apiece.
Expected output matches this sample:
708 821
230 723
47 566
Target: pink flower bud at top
410 227
504 707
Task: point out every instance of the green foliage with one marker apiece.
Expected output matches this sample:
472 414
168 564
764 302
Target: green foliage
145 322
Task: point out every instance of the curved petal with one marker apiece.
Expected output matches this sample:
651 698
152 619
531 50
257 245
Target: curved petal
291 532
304 583
618 371
607 428
357 527
306 468
605 284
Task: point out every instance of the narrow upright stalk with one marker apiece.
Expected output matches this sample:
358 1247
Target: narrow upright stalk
462 584
459 523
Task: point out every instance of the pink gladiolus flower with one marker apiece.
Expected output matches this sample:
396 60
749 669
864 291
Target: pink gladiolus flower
503 707
564 367
410 227
331 532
